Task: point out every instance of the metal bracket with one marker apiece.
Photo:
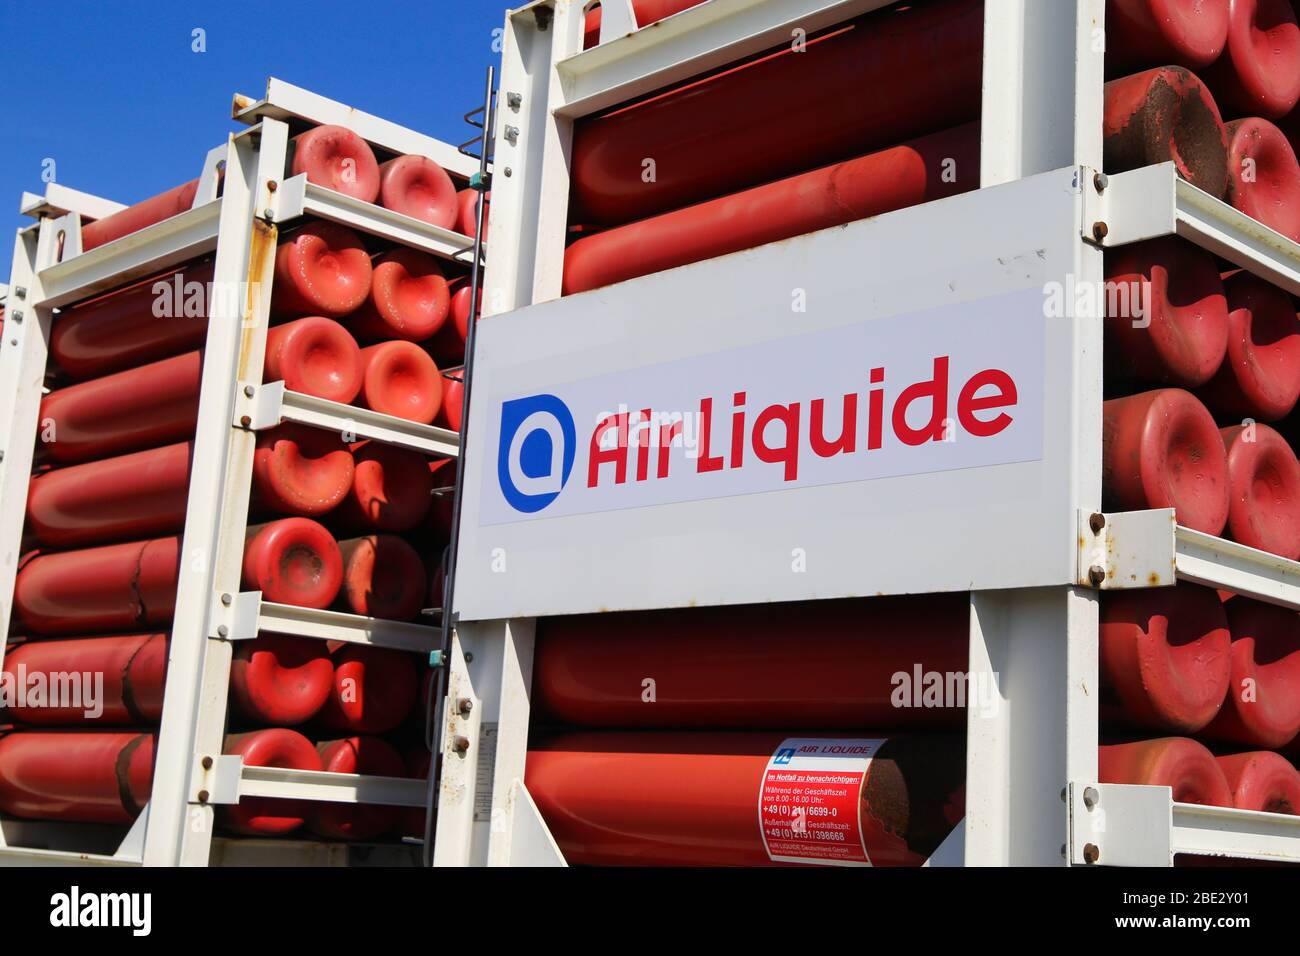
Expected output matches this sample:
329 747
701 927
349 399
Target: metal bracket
1119 825
1126 549
235 616
214 779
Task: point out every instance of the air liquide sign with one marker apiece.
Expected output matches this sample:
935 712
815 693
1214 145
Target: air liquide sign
953 388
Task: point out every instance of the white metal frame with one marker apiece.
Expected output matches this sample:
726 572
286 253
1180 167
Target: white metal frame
1042 111
191 774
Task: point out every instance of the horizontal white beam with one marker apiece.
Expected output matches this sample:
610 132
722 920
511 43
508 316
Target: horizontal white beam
1217 831
60 200
281 783
271 404
1154 201
284 101
1142 549
20 856
135 256
297 197
248 615
1214 562
700 38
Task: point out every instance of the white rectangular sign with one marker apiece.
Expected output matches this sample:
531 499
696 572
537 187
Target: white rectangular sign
895 406
958 386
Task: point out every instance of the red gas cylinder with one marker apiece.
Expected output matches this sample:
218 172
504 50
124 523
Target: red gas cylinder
133 669
646 12
1263 175
1140 33
400 380
142 407
879 662
374 689
322 269
929 56
1260 375
467 213
280 680
931 167
277 747
1259 72
448 346
1264 483
1177 762
314 355
1165 115
1262 708
118 587
391 489
1262 780
1161 449
1167 321
293 561
76 777
140 495
408 298
450 415
418 187
338 159
299 470
153 319
370 757
155 209
1164 657
382 577
716 799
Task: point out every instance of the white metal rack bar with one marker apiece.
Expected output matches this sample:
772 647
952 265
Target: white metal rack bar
59 200
1153 201
268 405
683 45
282 783
247 615
288 103
297 197
152 249
1140 549
1128 825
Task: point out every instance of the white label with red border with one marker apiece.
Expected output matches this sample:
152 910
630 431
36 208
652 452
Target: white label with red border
809 803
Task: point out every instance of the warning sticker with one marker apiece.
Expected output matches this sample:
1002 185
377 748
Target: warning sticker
809 801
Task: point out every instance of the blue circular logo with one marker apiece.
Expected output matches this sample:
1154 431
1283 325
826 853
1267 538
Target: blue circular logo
535 456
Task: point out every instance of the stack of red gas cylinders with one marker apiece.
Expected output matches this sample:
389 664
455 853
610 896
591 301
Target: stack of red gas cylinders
334 523
693 172
1202 689
1201 693
1203 359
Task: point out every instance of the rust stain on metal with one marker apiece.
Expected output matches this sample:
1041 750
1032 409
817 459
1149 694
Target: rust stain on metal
261 249
1153 580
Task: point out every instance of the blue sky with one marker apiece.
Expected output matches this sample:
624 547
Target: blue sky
113 93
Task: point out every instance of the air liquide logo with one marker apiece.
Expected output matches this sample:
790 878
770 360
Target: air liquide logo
535 457
851 404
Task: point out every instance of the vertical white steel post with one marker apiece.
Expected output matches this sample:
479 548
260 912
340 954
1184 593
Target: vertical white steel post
194 703
532 143
1038 647
22 380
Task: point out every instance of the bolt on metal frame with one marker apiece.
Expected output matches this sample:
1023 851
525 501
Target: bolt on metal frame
1030 765
242 226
